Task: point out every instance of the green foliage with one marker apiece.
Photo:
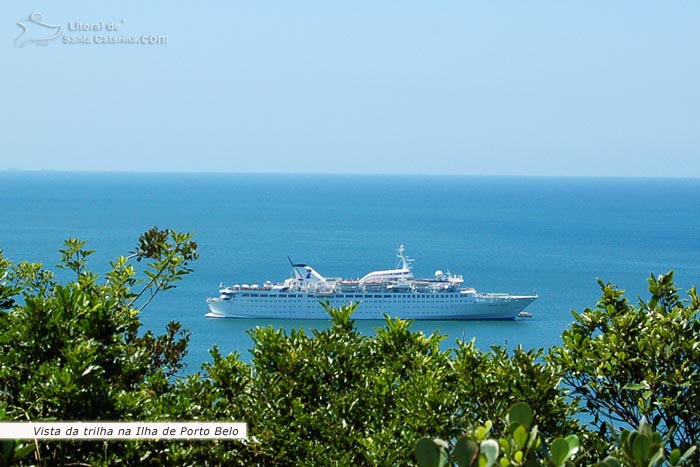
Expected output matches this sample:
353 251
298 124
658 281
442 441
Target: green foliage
490 382
644 447
522 445
337 397
329 397
12 450
72 351
632 363
6 291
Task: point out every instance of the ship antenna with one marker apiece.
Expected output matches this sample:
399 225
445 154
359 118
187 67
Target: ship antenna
294 267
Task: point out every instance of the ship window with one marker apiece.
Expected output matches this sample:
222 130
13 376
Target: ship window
254 295
377 296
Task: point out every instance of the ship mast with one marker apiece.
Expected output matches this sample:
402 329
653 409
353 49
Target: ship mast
405 262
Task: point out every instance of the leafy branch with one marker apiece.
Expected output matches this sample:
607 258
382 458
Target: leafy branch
170 252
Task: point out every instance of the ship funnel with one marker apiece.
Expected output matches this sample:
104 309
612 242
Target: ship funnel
308 276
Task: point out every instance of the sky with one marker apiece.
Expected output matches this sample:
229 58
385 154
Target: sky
594 88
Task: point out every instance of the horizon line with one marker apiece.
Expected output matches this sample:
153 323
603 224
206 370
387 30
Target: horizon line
359 174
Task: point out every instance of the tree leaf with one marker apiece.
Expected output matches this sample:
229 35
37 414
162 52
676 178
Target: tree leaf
466 451
489 453
559 451
520 413
520 436
641 449
429 454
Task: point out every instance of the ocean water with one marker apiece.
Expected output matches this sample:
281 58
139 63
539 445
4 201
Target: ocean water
503 234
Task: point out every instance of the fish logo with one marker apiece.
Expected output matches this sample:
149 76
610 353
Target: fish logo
36 31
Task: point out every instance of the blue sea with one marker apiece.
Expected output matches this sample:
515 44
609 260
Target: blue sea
503 234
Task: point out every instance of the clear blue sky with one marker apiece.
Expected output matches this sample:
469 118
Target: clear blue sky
498 87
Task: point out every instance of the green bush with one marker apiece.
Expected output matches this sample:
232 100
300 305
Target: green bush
337 397
631 363
523 445
73 351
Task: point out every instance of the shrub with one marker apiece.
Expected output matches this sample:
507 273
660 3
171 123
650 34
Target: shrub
632 363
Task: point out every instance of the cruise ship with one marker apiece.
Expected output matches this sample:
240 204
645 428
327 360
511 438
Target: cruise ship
393 292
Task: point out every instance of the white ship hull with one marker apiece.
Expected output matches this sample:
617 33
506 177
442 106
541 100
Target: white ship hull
437 306
393 292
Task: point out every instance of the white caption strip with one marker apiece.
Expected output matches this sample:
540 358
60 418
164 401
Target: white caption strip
123 430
